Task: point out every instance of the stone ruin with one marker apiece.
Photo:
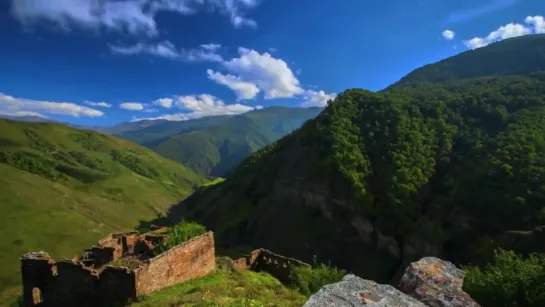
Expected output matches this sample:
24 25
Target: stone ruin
262 260
122 267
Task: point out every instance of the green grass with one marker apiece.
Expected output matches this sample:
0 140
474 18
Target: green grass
226 287
309 280
213 182
180 233
62 189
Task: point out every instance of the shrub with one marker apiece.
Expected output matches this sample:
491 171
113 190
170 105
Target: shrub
511 280
180 233
309 280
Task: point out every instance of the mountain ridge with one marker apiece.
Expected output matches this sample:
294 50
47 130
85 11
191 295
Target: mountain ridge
211 146
395 175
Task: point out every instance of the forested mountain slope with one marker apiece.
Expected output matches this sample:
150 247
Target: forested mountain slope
452 168
213 145
62 188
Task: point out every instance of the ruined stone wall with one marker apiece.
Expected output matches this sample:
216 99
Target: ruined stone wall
262 260
189 260
66 283
79 283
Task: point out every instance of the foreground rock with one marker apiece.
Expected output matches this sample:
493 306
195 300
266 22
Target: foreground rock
436 283
353 291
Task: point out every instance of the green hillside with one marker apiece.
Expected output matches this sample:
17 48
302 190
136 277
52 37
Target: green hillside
450 168
61 189
214 145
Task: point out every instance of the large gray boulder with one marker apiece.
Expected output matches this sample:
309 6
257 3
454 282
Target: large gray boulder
353 291
436 283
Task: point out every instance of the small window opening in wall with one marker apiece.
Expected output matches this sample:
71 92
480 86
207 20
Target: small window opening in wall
37 296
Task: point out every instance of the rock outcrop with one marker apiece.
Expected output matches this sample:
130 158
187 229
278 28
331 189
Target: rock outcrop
353 291
436 283
428 282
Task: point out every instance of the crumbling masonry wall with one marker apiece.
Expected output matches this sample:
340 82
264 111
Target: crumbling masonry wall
262 260
88 282
189 260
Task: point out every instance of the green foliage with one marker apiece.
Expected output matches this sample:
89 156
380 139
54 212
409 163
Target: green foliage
511 281
132 162
451 156
180 233
308 280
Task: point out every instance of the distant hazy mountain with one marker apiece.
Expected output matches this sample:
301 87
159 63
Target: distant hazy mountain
213 145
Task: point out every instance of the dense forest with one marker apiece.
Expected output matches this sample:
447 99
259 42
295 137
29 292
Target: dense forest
450 161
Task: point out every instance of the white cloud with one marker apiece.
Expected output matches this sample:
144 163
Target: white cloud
164 102
317 98
132 106
15 105
243 89
538 22
448 34
130 16
211 46
22 113
167 50
270 75
508 31
164 49
197 106
98 104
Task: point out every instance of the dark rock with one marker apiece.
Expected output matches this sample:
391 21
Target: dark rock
436 283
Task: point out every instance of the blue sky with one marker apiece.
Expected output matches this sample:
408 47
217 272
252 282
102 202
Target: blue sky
101 62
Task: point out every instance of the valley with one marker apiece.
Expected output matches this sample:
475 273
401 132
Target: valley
447 162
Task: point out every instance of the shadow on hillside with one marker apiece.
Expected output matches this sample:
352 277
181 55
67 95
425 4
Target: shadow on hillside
177 212
187 209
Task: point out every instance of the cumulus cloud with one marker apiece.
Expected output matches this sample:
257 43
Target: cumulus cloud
317 98
130 16
132 106
167 50
538 22
448 34
196 106
533 24
98 104
164 102
266 73
243 89
10 105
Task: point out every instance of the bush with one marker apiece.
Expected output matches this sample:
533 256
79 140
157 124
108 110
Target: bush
309 280
511 281
180 233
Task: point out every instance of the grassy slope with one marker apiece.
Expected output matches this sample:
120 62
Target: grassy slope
226 288
61 213
216 149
